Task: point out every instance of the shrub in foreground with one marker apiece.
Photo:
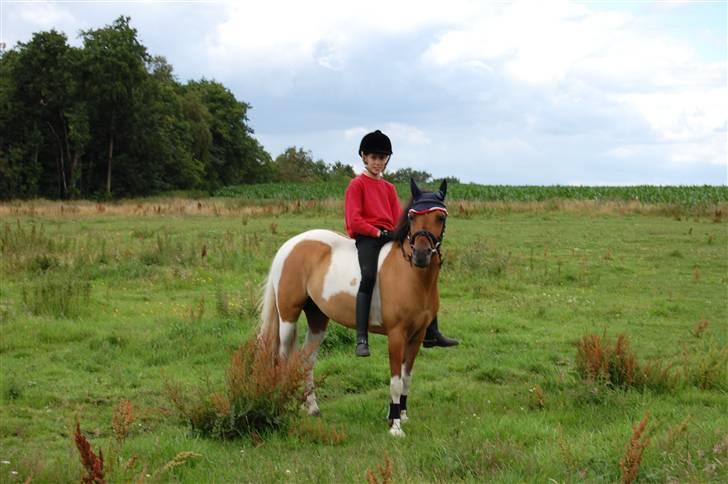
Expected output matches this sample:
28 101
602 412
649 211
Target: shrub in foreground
600 361
262 393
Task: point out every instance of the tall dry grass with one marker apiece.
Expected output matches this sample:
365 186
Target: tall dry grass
383 471
262 394
600 361
93 464
216 207
629 464
122 419
162 207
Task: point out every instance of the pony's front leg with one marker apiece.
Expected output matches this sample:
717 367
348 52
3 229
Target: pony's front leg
410 353
406 379
396 384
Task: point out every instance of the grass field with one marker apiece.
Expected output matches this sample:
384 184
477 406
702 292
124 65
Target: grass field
100 304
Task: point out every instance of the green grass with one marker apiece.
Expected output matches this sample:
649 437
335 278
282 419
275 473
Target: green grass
519 289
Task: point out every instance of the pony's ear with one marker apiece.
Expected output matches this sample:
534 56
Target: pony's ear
443 189
416 192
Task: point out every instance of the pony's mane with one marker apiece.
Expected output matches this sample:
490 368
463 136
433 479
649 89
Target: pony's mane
403 226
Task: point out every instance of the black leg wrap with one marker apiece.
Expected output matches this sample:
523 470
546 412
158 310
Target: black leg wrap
403 402
394 410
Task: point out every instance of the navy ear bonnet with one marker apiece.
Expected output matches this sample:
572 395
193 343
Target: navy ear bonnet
423 202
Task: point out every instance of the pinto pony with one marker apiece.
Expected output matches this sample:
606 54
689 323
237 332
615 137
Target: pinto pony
317 272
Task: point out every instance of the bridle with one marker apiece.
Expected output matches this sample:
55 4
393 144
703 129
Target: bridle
435 243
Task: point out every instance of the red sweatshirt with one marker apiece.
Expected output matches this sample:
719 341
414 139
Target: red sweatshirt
370 204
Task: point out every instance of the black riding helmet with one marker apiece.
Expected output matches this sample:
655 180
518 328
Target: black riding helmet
375 142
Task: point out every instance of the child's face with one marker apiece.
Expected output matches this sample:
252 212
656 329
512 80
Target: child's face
375 162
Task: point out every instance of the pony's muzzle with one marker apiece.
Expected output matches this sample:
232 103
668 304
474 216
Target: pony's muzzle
421 257
422 251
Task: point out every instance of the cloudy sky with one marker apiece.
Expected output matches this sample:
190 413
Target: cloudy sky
523 92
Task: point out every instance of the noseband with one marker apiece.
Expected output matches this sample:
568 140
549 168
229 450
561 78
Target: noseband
435 243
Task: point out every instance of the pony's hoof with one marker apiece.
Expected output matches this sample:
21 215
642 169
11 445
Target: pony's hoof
395 429
403 418
311 407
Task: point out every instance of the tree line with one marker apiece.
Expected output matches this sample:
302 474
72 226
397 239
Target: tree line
107 119
298 165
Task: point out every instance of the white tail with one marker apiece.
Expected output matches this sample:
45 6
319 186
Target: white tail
268 333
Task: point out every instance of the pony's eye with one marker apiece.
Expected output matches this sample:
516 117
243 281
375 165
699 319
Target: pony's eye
441 218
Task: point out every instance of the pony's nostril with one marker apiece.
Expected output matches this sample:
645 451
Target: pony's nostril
422 258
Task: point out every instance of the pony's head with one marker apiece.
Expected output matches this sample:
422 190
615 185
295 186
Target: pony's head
422 225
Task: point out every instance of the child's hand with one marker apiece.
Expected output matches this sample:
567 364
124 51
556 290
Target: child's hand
385 235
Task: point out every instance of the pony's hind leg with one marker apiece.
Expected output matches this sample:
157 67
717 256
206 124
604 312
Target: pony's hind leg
287 337
291 297
317 323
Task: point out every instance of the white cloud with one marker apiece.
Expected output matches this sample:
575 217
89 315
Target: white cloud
711 151
356 133
628 151
45 15
404 133
693 122
681 115
538 42
683 99
545 42
282 35
670 4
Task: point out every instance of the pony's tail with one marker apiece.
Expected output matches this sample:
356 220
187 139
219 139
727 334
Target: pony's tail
268 332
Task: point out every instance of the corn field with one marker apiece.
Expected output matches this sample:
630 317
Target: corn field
690 196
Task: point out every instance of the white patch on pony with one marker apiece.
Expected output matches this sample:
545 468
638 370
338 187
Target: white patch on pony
406 379
344 274
395 388
287 337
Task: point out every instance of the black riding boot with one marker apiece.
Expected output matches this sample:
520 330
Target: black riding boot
434 337
363 302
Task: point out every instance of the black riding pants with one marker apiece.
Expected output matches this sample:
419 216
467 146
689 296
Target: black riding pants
368 249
